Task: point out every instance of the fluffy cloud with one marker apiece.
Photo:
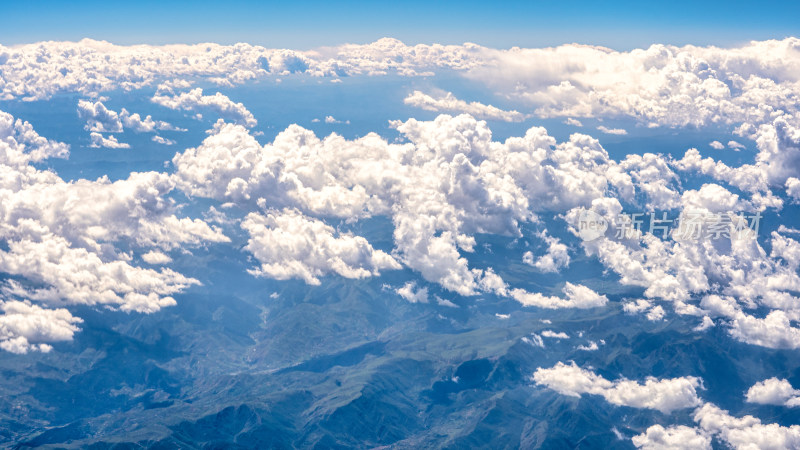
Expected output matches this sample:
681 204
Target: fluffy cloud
492 187
617 131
163 141
750 178
290 245
38 71
663 395
778 144
655 180
107 142
774 330
332 120
793 188
445 183
637 306
21 145
713 198
410 292
156 257
653 313
99 119
194 101
59 239
449 103
773 391
747 432
91 213
661 85
82 277
147 125
656 314
682 269
590 347
447 180
777 164
733 145
25 327
556 258
552 334
577 296
705 324
678 437
668 395
786 248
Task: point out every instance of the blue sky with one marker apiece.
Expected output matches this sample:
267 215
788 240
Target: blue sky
307 24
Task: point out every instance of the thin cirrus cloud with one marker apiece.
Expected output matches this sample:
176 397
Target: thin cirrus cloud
617 131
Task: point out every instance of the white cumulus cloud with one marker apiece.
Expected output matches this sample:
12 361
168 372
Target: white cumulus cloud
25 327
773 391
412 293
665 395
449 103
98 140
576 296
194 101
288 244
677 437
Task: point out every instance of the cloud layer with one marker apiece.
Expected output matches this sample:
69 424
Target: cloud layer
659 86
59 241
